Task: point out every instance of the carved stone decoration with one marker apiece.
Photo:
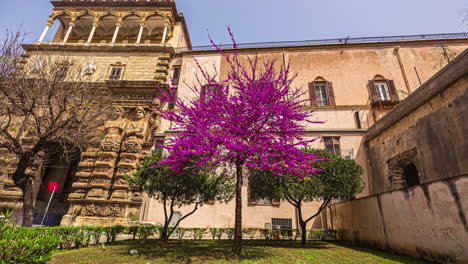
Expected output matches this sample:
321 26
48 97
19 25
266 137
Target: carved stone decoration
114 131
104 210
135 132
154 122
90 68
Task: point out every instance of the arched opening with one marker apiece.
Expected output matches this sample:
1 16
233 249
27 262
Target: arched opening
60 27
81 30
154 28
128 33
106 29
411 175
59 168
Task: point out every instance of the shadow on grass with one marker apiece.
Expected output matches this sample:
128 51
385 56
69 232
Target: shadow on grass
381 254
183 251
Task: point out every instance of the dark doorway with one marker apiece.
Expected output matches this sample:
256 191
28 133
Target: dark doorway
61 169
411 175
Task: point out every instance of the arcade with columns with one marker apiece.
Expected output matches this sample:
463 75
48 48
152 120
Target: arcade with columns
149 22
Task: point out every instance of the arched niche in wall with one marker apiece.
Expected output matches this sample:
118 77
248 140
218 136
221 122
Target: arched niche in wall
404 170
106 28
130 28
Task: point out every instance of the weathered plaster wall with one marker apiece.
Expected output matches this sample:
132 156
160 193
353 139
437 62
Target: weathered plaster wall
436 130
222 215
426 221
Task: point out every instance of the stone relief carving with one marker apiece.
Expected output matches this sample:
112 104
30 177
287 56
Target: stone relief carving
135 132
104 210
154 122
114 131
90 68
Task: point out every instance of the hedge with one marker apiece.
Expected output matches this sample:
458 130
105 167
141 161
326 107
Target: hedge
35 244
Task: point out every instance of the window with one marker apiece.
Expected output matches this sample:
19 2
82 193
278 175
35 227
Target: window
208 91
332 144
383 92
357 119
281 223
62 73
264 202
159 145
116 73
176 75
321 94
381 88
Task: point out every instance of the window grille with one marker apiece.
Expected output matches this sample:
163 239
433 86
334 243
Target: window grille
282 223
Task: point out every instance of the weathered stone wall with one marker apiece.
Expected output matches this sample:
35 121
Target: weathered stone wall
433 136
428 219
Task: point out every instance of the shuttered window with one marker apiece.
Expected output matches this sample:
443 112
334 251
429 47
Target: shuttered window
332 144
383 91
321 94
176 75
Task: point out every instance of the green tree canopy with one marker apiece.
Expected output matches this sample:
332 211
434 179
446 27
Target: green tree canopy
189 187
340 178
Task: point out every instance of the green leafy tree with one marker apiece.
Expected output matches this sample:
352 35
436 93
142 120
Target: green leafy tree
340 178
190 187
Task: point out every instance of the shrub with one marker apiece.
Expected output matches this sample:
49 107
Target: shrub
250 232
265 233
133 230
113 231
26 245
322 234
181 232
199 233
145 231
214 232
229 232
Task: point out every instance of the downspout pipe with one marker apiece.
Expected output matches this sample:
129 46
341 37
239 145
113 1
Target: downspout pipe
402 68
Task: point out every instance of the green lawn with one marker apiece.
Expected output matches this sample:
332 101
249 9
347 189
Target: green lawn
194 252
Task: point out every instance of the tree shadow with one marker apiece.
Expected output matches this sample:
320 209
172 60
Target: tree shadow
185 251
381 254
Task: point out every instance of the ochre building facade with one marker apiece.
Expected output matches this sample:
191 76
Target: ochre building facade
138 47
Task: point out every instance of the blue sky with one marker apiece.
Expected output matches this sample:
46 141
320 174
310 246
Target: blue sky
282 20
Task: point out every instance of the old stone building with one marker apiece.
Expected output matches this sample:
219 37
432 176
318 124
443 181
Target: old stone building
418 175
135 47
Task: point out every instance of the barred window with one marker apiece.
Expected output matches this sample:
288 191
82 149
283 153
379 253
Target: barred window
281 223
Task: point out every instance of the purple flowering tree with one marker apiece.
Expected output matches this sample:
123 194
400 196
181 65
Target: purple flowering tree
253 118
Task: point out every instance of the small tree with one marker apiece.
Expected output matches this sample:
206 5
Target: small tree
253 118
46 101
189 187
340 178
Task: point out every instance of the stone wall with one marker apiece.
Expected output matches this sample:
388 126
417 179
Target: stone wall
426 221
418 175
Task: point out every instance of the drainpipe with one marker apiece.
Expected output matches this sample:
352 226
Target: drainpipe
402 68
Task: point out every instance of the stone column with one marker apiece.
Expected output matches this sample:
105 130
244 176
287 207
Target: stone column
116 32
164 34
140 33
70 28
44 33
90 38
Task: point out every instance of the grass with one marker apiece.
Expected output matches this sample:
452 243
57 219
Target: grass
219 252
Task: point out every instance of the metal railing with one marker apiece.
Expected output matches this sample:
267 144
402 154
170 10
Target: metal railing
339 41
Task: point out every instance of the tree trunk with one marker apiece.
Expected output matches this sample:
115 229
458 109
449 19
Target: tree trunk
237 244
304 232
28 203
